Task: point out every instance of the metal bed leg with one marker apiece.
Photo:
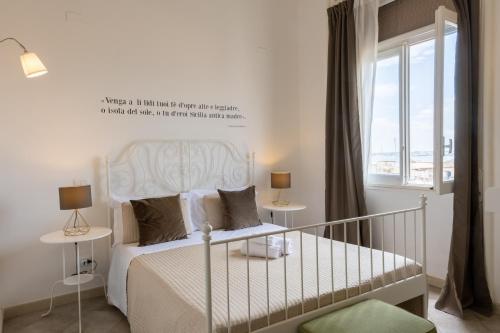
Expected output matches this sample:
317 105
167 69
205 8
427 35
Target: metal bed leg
207 229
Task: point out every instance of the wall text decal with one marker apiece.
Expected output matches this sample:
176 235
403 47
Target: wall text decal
168 109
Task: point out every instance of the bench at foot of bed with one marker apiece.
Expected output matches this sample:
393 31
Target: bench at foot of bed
371 316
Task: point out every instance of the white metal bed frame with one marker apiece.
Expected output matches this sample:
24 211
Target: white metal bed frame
395 292
152 168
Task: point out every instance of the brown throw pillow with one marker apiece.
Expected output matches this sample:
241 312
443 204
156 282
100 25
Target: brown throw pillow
160 220
240 209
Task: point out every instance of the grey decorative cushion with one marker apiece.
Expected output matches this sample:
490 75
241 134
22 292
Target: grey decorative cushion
240 209
160 220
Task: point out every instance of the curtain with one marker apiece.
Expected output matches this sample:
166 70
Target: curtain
466 285
344 195
366 21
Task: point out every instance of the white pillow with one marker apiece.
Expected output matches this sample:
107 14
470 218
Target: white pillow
214 210
186 213
126 228
198 213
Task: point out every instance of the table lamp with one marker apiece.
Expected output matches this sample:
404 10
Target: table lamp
75 198
280 180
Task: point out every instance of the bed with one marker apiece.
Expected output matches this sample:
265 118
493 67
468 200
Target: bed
204 284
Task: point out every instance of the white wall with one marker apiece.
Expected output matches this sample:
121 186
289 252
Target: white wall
286 118
439 222
51 131
491 137
312 69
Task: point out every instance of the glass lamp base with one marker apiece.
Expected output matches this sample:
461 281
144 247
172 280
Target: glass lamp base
281 203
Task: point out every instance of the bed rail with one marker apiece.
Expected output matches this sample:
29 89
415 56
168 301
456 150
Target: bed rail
369 219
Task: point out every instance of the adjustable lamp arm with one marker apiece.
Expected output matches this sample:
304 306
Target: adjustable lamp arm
15 40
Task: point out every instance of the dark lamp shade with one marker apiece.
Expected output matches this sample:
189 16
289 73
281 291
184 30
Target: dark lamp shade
75 197
280 179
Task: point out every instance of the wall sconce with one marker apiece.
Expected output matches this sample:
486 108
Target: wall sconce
32 65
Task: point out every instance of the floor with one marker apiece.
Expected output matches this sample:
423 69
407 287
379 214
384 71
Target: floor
472 322
100 317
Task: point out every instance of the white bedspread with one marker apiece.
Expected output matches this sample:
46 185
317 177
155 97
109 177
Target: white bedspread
123 254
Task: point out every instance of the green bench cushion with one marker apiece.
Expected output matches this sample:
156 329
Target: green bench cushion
371 316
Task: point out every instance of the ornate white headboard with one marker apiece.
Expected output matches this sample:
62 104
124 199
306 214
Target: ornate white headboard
152 168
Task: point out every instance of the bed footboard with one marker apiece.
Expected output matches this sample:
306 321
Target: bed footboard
354 273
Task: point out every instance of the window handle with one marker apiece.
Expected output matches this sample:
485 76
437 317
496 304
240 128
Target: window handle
448 146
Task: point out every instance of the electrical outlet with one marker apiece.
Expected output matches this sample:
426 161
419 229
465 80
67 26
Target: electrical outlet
85 263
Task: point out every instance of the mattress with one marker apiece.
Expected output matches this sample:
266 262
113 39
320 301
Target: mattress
166 289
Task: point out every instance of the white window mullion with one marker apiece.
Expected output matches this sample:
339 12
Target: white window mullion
402 121
405 114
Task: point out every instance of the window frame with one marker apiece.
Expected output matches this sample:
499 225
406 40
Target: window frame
385 179
400 45
442 16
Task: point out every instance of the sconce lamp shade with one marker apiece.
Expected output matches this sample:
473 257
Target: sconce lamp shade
75 197
32 65
280 179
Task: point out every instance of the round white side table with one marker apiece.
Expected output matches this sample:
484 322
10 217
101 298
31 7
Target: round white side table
58 237
291 208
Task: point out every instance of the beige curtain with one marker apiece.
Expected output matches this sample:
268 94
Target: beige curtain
344 195
366 18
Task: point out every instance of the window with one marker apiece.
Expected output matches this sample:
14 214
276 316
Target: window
412 133
385 139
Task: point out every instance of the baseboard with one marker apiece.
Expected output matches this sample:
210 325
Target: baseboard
44 304
435 281
1 319
496 308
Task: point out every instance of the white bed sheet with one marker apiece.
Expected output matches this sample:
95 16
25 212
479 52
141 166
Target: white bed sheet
123 254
